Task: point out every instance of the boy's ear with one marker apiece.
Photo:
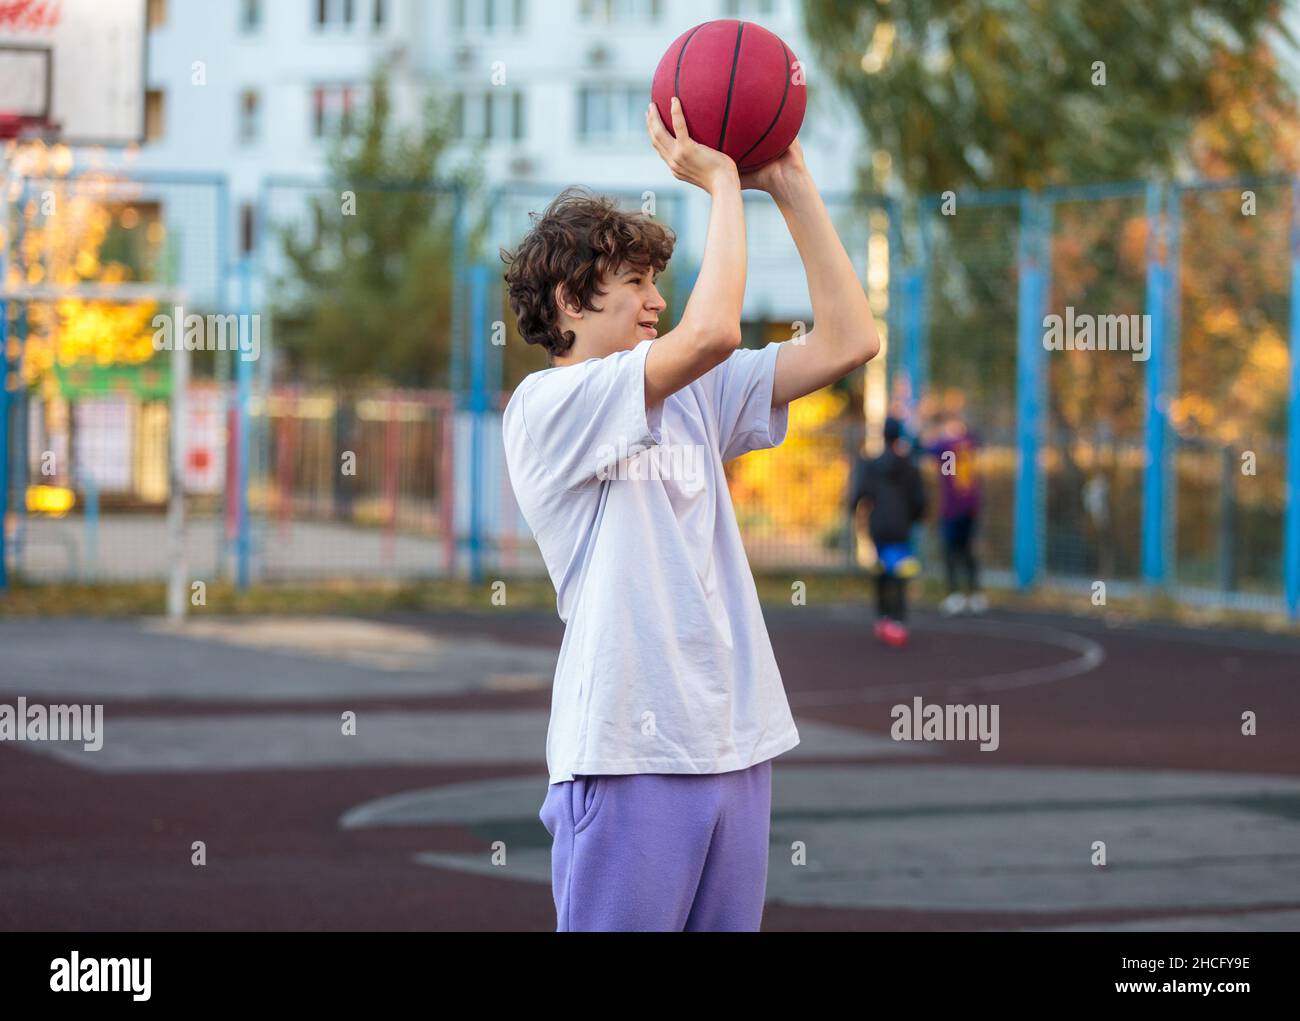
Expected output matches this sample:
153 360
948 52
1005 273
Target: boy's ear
566 306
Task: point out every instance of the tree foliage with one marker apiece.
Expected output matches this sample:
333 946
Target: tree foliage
68 235
1003 93
367 294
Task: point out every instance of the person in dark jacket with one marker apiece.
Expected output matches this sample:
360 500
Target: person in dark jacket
892 485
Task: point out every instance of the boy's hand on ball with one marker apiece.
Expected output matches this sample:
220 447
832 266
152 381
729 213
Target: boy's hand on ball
688 160
780 177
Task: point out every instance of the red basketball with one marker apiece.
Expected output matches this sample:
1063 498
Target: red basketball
741 88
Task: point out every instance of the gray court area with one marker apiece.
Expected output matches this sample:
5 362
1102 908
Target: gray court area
228 743
303 659
944 838
880 825
255 659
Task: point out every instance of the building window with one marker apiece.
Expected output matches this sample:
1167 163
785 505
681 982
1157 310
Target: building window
488 15
250 116
250 15
611 113
334 13
333 108
153 115
156 13
496 115
613 11
749 8
247 237
378 15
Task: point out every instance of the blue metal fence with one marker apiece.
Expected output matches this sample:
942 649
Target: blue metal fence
960 284
971 278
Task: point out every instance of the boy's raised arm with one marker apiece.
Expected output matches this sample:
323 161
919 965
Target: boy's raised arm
709 330
844 331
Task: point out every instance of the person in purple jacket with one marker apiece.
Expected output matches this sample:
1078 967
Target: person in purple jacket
954 446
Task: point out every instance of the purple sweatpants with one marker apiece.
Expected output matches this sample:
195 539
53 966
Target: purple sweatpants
660 852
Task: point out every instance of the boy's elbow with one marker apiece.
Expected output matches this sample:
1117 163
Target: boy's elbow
729 336
724 340
860 351
869 347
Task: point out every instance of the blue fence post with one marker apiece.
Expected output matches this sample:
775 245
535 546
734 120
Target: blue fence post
10 368
1170 341
913 324
243 380
1154 474
893 313
908 324
4 433
913 331
1026 551
221 367
262 380
18 442
478 406
459 244
4 398
4 421
1291 534
91 566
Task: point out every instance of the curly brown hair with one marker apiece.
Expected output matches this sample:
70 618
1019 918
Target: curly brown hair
575 241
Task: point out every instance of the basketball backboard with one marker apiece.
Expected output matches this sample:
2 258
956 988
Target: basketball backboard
74 70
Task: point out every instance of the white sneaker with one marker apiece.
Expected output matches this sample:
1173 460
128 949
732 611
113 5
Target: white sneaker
979 603
953 603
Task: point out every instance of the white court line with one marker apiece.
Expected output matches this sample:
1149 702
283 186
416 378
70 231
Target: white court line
1090 655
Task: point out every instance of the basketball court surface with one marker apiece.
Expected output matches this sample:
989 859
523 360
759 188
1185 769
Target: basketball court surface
226 735
229 732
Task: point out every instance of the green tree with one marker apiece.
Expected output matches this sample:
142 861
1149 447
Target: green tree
1004 93
367 294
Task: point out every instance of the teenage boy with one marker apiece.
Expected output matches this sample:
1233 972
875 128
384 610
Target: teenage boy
667 706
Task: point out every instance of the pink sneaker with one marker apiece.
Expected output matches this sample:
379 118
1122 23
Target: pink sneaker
895 634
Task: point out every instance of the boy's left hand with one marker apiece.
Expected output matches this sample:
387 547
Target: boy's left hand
777 178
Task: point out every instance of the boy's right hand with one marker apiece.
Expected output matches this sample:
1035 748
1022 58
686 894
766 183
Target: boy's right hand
688 160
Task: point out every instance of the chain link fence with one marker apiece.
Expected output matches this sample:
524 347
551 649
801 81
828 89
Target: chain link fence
351 429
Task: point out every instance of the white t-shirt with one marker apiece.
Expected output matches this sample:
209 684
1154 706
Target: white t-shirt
666 666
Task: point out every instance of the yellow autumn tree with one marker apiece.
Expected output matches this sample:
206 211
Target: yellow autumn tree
61 230
793 495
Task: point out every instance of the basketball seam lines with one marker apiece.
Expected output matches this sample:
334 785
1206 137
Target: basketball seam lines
677 77
778 111
735 62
